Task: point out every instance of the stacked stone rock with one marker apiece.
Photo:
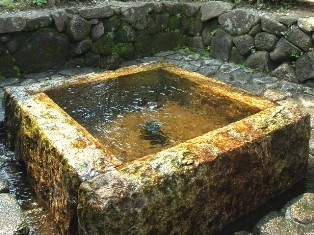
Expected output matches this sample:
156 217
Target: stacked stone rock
105 35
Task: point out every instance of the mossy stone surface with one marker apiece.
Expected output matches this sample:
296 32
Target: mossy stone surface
52 52
167 41
124 50
103 45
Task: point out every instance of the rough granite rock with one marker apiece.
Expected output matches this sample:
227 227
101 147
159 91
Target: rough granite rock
196 44
306 24
59 18
52 53
12 219
137 12
151 196
236 56
4 185
37 20
285 71
213 9
238 22
284 51
103 45
301 209
81 47
100 11
221 45
190 10
97 31
260 61
207 34
196 26
125 33
304 66
297 37
244 43
272 25
10 22
275 224
157 23
265 41
77 28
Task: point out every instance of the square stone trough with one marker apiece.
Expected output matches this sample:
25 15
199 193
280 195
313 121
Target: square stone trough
194 187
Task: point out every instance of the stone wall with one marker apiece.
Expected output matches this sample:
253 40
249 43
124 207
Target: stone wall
106 35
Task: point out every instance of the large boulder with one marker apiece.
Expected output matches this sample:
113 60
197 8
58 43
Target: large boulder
221 45
297 37
284 51
37 20
59 18
158 23
306 24
196 44
103 45
275 223
196 26
137 12
167 41
81 47
244 43
304 66
99 11
125 33
12 219
285 71
208 31
272 25
213 9
260 61
238 21
265 41
77 28
10 22
97 31
52 52
301 210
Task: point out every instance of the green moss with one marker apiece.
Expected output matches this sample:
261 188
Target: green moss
111 24
124 50
174 22
103 45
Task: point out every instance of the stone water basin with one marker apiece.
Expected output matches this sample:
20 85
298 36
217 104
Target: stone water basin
216 153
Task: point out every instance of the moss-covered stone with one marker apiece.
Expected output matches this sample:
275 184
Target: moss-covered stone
158 23
125 33
52 52
7 66
111 24
143 44
167 41
103 45
174 22
124 50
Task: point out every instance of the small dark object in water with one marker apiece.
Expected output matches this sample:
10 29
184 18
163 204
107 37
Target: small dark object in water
151 127
151 131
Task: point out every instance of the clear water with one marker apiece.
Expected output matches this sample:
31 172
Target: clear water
115 111
39 219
